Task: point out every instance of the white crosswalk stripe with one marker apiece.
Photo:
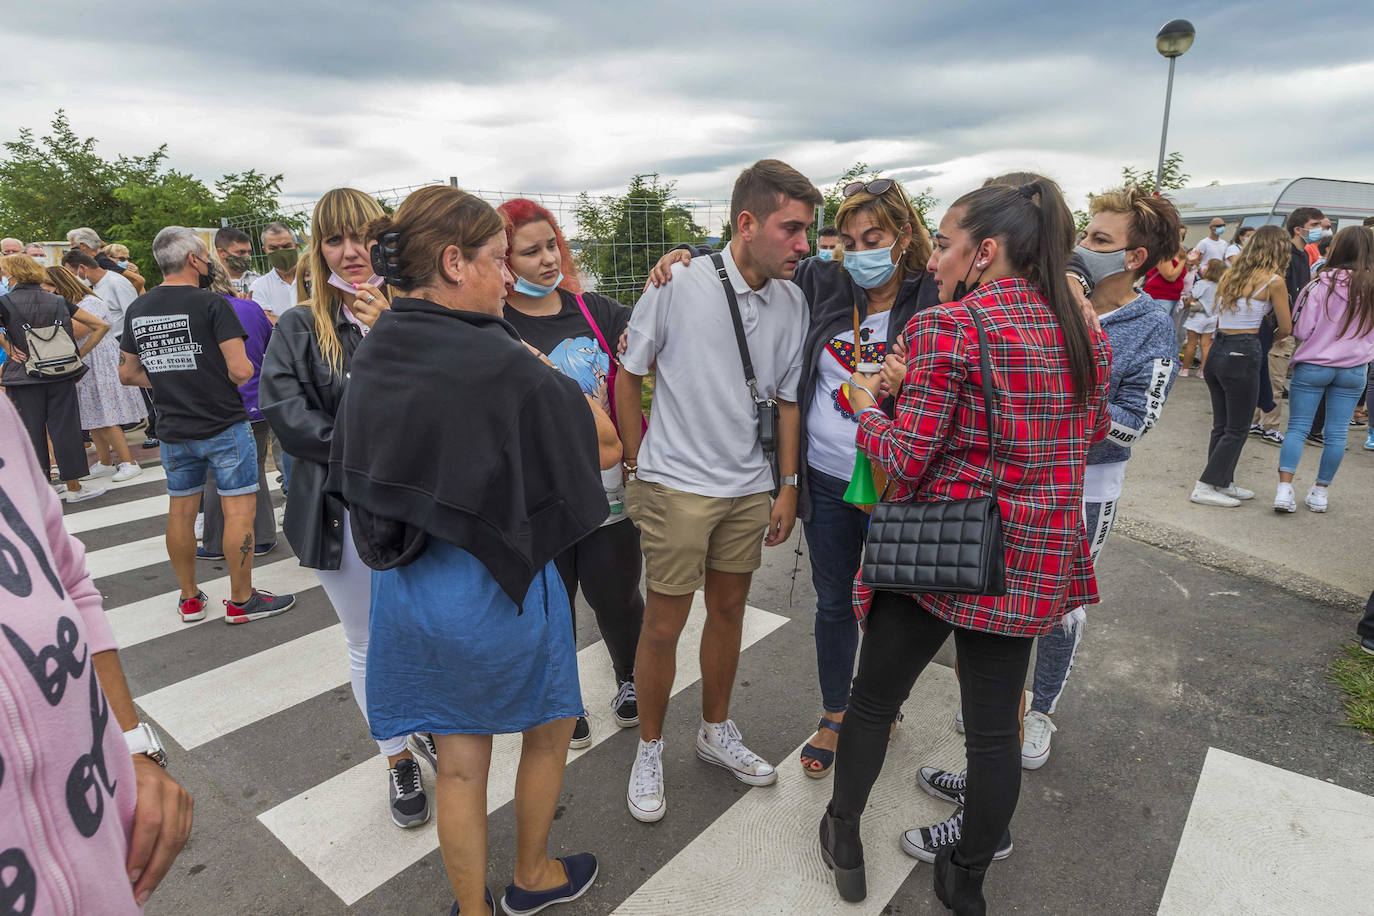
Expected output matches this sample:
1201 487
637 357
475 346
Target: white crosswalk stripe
121 513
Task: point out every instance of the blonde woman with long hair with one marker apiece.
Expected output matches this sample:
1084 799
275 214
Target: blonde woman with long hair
304 375
1251 289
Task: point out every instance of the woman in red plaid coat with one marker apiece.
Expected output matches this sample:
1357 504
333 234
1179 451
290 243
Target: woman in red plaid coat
1050 370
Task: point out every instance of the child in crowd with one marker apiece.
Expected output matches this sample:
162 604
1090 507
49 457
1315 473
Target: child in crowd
1202 315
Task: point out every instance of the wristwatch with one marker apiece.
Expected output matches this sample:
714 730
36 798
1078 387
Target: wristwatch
791 480
143 740
1082 281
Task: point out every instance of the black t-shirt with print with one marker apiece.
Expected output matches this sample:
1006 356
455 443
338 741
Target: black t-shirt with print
176 332
569 341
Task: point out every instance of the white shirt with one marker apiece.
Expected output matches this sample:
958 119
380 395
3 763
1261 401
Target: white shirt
273 293
116 293
1212 249
703 430
830 429
1232 251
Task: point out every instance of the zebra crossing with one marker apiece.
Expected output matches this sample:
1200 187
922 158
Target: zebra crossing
263 729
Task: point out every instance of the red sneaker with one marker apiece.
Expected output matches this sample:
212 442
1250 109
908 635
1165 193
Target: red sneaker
192 609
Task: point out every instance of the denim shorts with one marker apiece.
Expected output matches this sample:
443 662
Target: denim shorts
232 455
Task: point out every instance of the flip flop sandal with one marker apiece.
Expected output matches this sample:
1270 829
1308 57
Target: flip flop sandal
826 758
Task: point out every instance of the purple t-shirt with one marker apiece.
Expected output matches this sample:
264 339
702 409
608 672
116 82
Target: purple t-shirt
258 329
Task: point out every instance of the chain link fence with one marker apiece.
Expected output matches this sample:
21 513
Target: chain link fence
615 239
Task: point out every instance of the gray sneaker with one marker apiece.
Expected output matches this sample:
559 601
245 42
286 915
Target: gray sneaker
260 604
409 803
423 744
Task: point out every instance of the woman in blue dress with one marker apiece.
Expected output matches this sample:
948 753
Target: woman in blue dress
468 464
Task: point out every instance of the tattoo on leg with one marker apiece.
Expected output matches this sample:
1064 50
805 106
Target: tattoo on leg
246 549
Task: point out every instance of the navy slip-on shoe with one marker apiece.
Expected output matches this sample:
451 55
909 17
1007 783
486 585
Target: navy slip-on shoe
581 870
453 911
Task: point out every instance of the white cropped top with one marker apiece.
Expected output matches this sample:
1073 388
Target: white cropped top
1248 313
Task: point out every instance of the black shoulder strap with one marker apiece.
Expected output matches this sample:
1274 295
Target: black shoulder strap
749 377
989 394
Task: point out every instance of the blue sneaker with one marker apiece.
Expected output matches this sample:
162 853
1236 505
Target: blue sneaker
203 554
262 550
581 870
454 910
1369 441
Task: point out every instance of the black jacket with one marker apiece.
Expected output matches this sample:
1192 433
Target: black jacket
299 394
30 303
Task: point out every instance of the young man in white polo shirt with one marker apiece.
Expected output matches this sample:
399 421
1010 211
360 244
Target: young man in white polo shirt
275 290
699 482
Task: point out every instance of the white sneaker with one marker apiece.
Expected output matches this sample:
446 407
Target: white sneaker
645 797
1204 494
127 470
959 721
100 469
720 743
1284 500
1236 492
1316 499
1035 749
83 494
200 526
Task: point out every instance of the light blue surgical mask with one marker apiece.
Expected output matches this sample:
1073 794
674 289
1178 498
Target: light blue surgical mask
4 286
871 269
534 289
1218 230
1314 235
825 254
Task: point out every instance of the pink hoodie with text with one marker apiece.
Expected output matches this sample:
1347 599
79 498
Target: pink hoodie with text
67 788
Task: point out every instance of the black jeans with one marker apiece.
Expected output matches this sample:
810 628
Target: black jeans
49 410
607 563
1233 378
264 520
901 640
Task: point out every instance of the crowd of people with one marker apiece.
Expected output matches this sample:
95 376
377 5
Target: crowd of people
1006 354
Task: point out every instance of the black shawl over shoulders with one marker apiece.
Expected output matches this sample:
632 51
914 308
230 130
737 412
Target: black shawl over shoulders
451 428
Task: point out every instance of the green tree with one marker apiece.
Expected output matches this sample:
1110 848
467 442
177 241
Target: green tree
622 237
1172 179
924 201
56 182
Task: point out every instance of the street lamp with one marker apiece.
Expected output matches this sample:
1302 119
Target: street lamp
1173 39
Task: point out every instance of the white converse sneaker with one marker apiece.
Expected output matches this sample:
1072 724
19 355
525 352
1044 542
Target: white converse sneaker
645 797
127 471
1284 500
1316 499
1204 494
83 494
1236 492
100 469
720 743
1035 750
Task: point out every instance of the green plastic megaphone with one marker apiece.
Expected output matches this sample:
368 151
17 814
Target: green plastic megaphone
861 491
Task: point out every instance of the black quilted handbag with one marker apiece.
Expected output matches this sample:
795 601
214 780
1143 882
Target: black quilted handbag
950 546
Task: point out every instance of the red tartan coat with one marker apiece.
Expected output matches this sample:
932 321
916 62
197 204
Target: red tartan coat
936 447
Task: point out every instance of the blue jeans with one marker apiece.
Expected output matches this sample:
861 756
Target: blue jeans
232 454
1343 388
835 535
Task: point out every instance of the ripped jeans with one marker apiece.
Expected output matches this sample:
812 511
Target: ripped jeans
1055 651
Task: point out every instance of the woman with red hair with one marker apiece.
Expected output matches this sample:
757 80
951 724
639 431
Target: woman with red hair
576 331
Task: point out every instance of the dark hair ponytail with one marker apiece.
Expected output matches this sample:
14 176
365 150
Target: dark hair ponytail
1034 227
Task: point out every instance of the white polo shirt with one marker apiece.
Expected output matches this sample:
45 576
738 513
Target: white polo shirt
273 293
703 430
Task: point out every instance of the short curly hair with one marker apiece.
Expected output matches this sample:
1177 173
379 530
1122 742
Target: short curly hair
1155 224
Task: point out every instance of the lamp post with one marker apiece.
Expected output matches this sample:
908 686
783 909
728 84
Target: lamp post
1173 39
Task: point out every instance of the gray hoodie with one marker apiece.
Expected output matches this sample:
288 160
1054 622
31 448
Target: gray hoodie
1144 366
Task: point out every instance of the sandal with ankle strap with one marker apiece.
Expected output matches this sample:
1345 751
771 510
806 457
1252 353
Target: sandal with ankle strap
826 758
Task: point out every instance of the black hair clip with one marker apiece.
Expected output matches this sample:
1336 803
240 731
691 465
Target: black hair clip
386 259
1028 190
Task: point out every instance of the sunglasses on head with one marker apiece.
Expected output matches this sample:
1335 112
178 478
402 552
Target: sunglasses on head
875 187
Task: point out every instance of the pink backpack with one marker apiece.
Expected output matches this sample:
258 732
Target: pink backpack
614 369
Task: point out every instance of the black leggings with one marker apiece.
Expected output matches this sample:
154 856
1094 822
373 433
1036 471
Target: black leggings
607 563
901 640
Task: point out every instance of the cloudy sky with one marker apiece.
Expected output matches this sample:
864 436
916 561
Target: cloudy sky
563 97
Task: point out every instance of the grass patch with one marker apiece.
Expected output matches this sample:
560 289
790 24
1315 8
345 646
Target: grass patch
1353 672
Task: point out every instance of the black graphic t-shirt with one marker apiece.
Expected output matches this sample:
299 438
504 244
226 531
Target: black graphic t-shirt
176 332
570 342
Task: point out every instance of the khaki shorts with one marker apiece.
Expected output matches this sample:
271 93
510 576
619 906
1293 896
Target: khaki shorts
683 534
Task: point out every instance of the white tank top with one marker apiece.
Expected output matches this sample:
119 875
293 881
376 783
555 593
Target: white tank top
1248 313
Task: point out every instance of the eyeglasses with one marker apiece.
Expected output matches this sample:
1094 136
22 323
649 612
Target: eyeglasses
875 187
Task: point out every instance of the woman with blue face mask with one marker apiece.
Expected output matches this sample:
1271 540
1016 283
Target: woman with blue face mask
575 331
876 281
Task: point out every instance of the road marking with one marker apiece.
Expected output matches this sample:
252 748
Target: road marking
770 832
127 557
155 617
342 831
1260 839
227 698
133 510
152 473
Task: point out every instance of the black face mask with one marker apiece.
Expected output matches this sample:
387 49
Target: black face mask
205 279
962 289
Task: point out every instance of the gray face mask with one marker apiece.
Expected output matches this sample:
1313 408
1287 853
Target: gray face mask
1102 264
